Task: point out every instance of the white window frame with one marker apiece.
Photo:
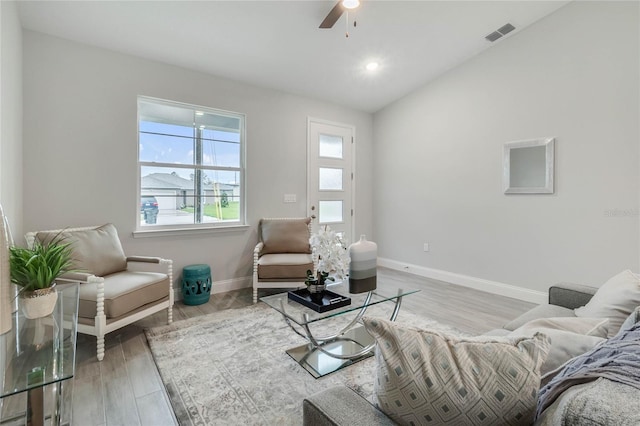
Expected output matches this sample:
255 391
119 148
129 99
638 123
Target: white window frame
152 230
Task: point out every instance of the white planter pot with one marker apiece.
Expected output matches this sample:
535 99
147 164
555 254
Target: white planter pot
316 288
38 303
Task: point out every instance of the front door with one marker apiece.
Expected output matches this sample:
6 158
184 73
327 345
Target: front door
330 176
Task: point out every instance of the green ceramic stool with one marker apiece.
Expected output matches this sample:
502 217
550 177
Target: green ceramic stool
196 284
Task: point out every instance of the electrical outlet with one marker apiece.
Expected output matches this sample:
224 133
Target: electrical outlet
290 198
426 246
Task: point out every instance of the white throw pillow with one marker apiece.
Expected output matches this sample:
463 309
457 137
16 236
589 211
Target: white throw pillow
616 299
588 326
564 345
425 377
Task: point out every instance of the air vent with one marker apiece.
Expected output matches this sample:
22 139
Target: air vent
503 30
493 36
506 29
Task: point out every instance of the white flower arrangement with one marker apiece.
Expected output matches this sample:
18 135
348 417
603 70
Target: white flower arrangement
331 255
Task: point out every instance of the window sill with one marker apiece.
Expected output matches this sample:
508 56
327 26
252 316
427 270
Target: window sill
151 233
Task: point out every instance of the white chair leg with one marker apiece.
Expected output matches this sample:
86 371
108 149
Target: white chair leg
101 318
255 295
100 347
169 264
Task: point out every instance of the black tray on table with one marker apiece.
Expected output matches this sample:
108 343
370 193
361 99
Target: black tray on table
328 302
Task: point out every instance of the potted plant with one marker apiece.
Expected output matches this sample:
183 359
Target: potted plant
315 284
331 257
35 270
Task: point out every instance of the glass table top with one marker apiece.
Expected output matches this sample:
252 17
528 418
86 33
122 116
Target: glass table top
296 311
39 352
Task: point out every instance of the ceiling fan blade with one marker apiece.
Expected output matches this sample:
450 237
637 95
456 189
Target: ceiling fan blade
333 16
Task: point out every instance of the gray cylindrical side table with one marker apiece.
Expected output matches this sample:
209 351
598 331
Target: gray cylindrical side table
196 284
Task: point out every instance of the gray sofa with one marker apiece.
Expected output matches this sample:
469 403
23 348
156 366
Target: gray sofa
600 402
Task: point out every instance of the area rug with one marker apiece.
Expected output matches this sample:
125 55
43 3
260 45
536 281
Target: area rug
231 368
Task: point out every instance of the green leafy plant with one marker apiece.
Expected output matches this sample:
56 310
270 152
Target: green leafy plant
319 279
37 267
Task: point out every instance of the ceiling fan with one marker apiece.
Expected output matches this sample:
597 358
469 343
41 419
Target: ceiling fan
337 11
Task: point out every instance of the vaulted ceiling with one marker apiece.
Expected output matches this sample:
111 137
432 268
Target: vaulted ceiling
277 44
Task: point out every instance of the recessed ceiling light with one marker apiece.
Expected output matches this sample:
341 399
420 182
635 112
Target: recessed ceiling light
350 4
199 113
371 66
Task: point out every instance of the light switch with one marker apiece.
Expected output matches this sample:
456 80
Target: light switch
290 198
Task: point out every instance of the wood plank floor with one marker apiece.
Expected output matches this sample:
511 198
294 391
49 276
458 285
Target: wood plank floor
125 388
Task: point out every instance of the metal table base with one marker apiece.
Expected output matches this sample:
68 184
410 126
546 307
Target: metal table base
319 363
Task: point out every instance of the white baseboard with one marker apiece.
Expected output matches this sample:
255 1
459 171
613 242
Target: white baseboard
219 286
494 287
232 284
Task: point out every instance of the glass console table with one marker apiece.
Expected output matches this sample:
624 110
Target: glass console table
324 355
39 354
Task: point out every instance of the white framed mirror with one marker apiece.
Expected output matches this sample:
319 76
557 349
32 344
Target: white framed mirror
528 166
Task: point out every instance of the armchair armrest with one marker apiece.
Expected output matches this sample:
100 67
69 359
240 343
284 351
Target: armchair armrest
256 256
144 259
258 249
80 277
569 295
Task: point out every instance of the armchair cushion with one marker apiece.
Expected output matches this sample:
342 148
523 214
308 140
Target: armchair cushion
285 236
284 266
123 292
97 251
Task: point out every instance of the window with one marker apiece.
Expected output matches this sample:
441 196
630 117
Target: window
191 166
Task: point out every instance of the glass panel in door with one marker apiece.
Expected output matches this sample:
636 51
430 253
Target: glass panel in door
330 179
330 146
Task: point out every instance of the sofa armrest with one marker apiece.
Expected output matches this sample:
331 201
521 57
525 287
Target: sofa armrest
570 295
341 406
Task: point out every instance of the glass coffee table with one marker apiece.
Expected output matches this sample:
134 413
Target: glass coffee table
350 344
37 354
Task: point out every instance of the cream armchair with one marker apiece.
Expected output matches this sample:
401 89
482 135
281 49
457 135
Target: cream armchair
110 295
282 256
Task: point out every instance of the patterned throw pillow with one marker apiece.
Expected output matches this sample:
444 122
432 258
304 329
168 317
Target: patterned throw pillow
427 378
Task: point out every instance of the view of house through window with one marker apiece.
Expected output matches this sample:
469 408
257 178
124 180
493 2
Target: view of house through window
191 165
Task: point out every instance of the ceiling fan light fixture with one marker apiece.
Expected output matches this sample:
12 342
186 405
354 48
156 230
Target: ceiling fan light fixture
350 4
372 66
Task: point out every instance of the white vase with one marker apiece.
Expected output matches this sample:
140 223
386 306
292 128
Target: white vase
38 303
363 265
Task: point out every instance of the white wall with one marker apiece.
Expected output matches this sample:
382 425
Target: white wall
80 147
11 115
438 156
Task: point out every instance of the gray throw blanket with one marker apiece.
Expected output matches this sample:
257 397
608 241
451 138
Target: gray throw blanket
617 359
